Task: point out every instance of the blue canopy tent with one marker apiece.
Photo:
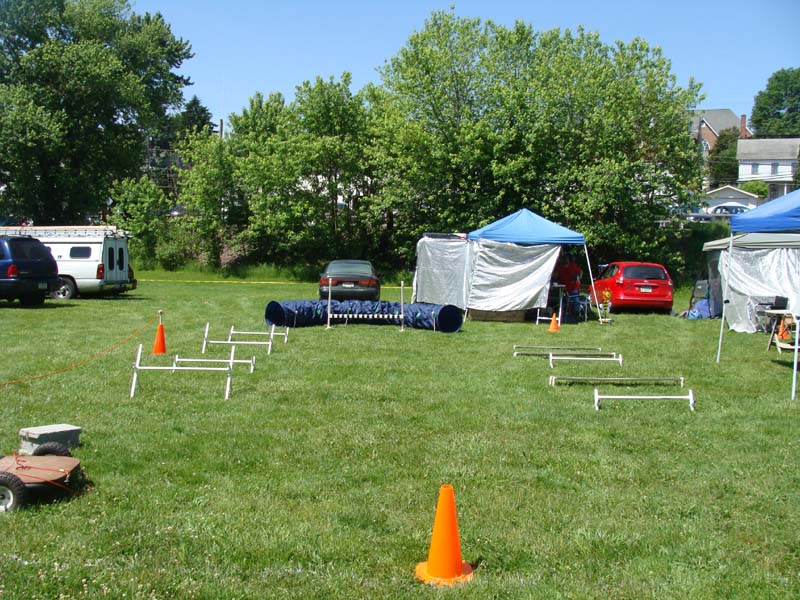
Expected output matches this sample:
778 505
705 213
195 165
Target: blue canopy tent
779 215
503 266
526 227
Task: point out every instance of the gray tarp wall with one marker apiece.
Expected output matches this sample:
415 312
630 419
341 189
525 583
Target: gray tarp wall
483 274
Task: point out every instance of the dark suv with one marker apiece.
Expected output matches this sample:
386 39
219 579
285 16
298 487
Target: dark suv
27 270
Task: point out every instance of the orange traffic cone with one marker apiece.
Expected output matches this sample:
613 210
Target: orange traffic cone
160 345
554 328
783 332
444 565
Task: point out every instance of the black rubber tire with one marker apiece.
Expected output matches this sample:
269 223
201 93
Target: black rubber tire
52 449
12 492
66 289
36 299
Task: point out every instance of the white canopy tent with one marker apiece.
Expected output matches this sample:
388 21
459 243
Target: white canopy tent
755 268
781 215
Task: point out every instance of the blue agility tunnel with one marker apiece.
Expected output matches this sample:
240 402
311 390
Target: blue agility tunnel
305 313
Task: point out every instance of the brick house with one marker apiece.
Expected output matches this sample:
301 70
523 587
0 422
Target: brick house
708 124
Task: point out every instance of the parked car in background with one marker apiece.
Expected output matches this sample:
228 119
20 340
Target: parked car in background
729 208
28 272
631 284
349 280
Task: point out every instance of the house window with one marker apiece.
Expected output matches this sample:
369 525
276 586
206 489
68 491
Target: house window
754 169
774 168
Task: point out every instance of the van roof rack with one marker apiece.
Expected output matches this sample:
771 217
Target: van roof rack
65 231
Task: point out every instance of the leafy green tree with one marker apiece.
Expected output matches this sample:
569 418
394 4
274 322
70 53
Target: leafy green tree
263 141
215 209
96 79
759 188
722 165
437 146
593 136
776 111
195 117
306 172
140 207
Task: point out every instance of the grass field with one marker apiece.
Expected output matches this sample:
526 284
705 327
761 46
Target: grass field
318 478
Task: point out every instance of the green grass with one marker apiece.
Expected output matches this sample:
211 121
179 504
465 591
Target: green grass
318 478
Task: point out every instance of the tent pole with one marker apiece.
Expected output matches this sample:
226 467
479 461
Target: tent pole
725 294
591 278
794 366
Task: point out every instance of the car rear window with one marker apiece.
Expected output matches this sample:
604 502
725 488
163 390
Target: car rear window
31 249
644 272
350 268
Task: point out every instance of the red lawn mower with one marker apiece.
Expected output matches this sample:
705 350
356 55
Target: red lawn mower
50 466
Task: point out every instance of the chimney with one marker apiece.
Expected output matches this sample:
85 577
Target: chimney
743 133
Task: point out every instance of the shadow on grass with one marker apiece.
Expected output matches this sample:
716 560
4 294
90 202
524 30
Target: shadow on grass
46 494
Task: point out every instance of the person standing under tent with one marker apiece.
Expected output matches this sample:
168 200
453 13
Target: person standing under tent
568 273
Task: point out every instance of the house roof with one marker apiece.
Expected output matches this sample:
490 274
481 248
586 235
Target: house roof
717 119
730 191
768 149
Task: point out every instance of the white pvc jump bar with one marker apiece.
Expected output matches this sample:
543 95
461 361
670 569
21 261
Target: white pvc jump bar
137 366
598 397
617 358
251 363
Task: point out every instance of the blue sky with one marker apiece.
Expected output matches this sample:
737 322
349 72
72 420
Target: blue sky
246 46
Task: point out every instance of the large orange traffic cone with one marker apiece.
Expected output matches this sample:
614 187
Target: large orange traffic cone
444 565
554 328
160 345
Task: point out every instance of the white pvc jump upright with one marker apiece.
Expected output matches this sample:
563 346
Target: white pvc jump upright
175 367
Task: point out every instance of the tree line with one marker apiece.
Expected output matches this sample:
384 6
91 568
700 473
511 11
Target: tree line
471 121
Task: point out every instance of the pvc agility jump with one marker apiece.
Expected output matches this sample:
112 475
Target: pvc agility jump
598 397
398 316
176 367
246 342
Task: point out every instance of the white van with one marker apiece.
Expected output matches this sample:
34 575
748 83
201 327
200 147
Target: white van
91 259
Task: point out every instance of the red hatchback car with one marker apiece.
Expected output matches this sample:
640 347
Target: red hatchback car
635 285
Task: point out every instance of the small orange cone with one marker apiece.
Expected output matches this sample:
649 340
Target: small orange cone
444 565
554 328
160 345
783 332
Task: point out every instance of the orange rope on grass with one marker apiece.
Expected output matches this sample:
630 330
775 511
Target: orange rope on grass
81 362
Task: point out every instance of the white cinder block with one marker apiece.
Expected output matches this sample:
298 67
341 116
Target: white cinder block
31 437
